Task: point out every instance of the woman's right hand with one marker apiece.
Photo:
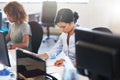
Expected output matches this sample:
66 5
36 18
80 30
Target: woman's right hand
44 56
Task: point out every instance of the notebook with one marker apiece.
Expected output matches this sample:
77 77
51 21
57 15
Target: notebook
29 66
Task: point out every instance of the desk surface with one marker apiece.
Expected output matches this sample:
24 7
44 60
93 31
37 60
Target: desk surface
51 69
12 68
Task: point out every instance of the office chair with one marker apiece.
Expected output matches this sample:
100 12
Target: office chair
37 35
103 29
34 17
49 9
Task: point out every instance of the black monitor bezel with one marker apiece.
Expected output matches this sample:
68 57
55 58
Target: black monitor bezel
22 53
85 35
5 56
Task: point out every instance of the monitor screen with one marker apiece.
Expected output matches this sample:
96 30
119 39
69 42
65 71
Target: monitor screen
30 66
4 58
98 52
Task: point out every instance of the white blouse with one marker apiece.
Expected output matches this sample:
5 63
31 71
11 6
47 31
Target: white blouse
61 47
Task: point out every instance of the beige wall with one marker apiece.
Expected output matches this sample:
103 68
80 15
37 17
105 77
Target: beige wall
95 13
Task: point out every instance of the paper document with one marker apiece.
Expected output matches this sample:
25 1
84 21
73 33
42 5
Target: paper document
54 69
50 63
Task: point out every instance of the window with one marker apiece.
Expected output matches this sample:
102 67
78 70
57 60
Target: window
69 1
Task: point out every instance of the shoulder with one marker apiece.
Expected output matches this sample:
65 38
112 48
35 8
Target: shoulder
63 35
25 24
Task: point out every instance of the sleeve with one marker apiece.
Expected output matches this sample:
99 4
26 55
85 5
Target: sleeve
57 49
26 29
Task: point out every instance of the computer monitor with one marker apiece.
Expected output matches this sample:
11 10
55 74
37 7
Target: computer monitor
0 19
99 53
4 58
29 66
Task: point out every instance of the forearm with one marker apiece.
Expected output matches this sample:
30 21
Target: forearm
55 50
23 44
7 37
43 55
19 45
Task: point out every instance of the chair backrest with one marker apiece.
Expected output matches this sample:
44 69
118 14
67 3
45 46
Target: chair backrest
49 9
37 35
34 17
103 29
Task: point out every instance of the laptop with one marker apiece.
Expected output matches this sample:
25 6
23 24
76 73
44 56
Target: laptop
29 66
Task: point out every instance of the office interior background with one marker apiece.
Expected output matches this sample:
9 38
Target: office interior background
92 13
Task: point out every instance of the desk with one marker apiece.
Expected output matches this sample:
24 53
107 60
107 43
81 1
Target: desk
51 69
12 57
58 71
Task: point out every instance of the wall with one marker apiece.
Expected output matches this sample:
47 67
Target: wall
94 14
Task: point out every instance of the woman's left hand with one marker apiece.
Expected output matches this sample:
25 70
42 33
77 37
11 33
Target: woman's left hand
59 62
